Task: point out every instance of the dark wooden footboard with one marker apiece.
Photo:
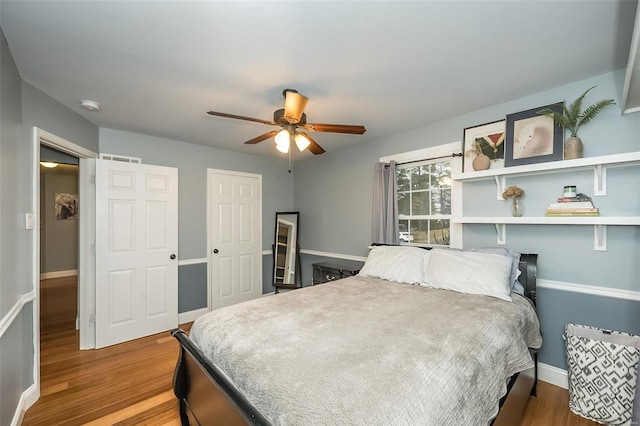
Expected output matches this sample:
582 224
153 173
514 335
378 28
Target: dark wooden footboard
205 394
207 397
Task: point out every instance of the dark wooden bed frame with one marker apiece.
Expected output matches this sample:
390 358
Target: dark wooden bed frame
207 396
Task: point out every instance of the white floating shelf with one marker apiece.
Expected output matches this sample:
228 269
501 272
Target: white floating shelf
544 220
599 224
597 164
626 159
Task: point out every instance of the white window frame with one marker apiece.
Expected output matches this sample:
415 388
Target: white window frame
426 154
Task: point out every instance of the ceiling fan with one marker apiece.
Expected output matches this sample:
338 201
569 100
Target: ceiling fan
292 119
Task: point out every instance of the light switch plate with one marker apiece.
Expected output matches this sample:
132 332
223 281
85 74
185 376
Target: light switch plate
29 220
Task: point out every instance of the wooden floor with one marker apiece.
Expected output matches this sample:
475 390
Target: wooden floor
130 383
126 384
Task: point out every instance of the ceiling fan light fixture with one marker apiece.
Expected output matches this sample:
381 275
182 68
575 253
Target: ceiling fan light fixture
282 147
282 141
282 137
302 142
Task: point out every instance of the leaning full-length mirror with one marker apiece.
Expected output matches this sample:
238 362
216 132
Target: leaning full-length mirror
285 252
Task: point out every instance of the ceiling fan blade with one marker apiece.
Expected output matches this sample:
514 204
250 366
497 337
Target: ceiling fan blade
335 128
313 147
240 117
262 137
294 105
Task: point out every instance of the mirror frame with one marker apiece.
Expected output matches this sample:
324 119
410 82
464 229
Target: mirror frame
295 246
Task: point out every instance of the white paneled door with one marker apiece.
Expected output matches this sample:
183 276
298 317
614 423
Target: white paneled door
136 251
235 237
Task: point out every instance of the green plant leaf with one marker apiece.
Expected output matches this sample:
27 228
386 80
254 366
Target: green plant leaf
574 111
593 110
573 117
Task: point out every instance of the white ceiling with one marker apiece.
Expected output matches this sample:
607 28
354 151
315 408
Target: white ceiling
157 67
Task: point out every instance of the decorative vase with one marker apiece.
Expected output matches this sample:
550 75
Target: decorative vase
573 148
481 162
517 209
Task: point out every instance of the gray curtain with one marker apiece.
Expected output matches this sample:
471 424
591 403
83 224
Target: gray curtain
385 205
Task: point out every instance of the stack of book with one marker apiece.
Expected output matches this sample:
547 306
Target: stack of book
573 206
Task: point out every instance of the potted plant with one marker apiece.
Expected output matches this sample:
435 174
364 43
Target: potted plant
574 117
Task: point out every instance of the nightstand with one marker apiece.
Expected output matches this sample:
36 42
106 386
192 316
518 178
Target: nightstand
334 270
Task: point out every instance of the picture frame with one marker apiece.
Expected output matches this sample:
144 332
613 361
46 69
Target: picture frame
66 206
491 138
533 138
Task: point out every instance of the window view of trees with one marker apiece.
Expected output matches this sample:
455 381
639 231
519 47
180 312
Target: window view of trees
424 203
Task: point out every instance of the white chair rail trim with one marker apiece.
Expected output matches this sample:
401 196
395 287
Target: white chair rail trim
591 290
333 255
8 319
187 262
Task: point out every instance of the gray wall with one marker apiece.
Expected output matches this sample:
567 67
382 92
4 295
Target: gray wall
22 106
566 252
58 238
16 246
41 110
192 162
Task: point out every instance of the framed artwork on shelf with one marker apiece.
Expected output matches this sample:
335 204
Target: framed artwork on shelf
484 139
533 138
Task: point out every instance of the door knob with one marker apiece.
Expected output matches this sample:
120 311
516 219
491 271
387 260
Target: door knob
173 256
215 251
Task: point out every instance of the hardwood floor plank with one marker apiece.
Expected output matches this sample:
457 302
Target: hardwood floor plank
130 383
128 414
551 408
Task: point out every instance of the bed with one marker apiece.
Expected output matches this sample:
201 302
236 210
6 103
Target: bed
363 350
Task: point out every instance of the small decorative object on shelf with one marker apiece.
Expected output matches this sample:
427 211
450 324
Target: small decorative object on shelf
572 204
572 118
513 192
570 191
484 145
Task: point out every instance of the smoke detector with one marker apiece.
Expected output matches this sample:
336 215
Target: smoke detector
90 105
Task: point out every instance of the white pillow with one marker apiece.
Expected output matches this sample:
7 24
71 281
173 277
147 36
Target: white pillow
516 287
403 264
468 272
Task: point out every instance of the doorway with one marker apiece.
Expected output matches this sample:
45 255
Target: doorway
85 204
59 241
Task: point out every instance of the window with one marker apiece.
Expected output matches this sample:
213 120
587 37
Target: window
424 202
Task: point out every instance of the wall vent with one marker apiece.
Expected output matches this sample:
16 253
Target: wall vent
122 158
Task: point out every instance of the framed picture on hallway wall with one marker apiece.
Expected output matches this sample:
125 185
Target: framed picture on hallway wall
66 206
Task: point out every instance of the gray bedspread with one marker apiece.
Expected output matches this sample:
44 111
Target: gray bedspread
367 351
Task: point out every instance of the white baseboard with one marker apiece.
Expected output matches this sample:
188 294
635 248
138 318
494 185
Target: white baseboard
27 399
189 316
59 274
554 375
